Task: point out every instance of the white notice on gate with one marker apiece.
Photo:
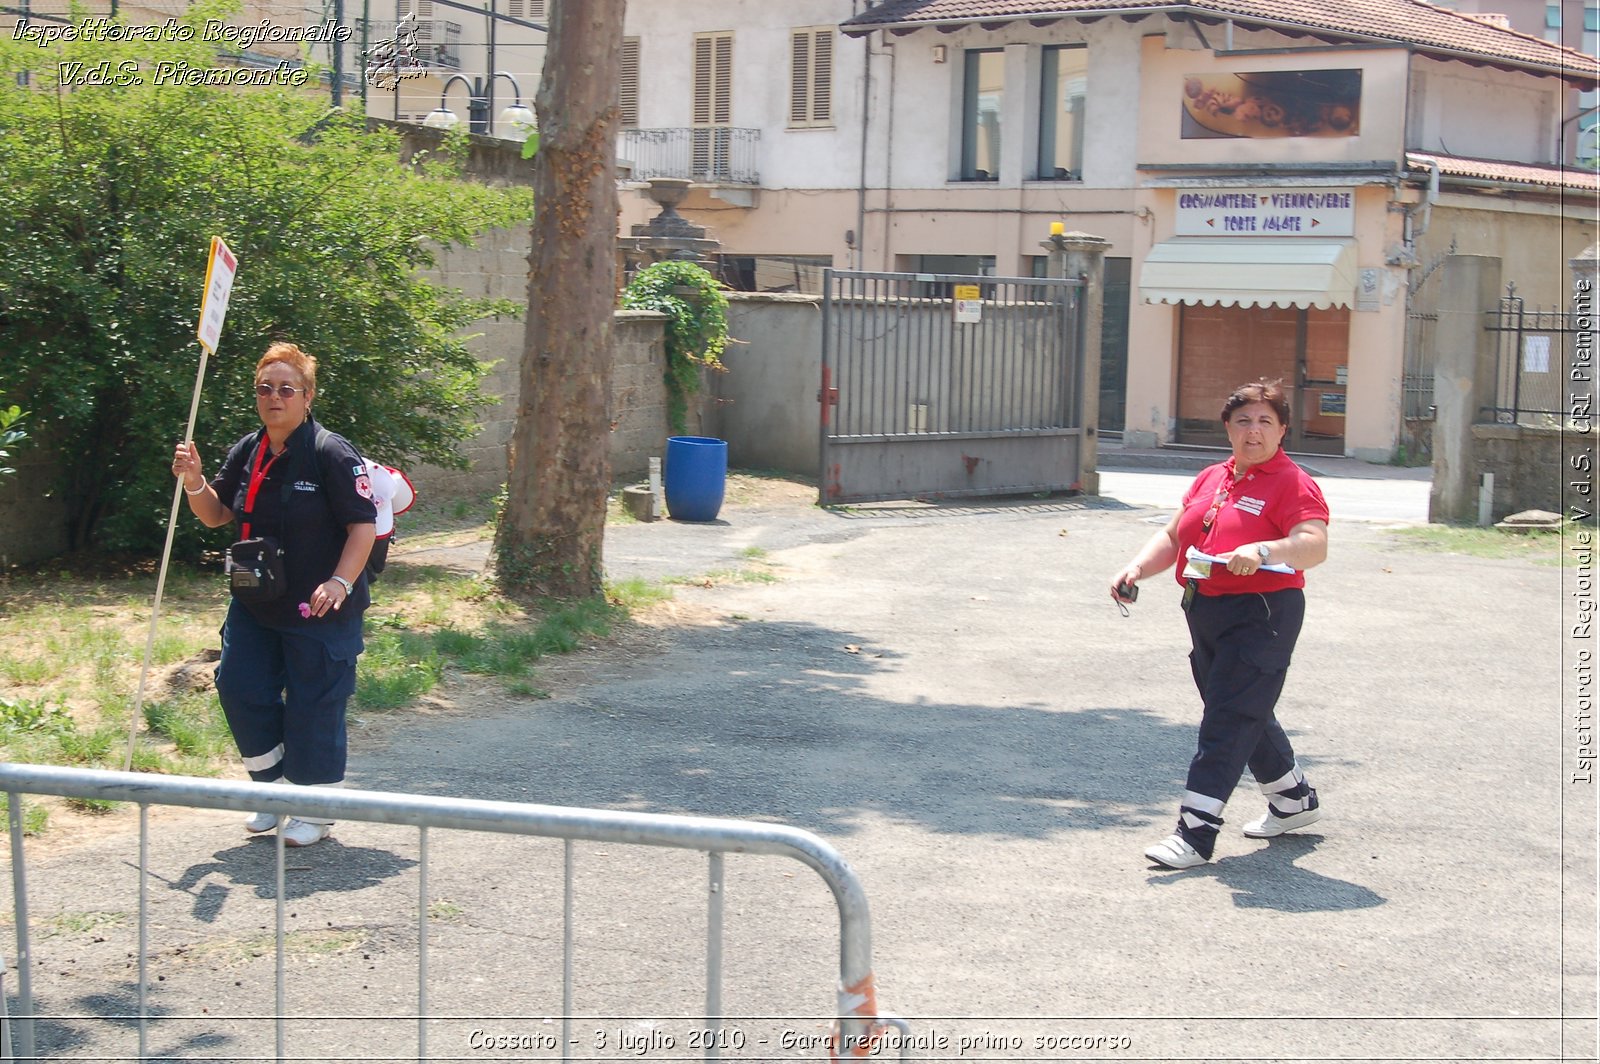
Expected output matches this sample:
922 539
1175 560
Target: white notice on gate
969 305
1536 354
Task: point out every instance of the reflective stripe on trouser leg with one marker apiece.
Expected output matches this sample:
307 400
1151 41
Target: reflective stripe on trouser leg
1199 819
1288 794
250 687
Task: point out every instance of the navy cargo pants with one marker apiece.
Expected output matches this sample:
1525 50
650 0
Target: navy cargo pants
284 692
1242 646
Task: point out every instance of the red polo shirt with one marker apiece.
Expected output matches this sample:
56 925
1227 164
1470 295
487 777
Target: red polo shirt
1272 498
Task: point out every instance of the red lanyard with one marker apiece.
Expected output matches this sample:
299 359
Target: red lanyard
1218 501
257 475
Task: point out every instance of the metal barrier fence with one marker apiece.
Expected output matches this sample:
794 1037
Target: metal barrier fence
858 1031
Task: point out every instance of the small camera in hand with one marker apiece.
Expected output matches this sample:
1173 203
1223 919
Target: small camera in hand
1128 590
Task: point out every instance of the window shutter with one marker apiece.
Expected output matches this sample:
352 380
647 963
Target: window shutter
628 90
517 8
722 112
800 78
538 10
702 81
822 78
713 79
811 77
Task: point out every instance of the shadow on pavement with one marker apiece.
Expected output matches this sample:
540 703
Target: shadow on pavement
251 864
778 720
1269 879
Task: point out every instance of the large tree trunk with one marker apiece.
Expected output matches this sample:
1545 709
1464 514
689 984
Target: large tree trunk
554 520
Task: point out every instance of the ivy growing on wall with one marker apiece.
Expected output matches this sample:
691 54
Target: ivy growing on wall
697 332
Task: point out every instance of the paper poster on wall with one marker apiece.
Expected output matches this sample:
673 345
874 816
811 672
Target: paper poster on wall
1330 404
1272 103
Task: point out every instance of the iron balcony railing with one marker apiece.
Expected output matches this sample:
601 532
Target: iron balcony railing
719 155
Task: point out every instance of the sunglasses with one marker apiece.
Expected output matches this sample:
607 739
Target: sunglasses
285 391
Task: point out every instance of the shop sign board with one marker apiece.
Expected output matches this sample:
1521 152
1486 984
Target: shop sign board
1266 212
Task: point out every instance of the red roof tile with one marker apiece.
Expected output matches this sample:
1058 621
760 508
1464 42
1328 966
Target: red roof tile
1429 29
1517 173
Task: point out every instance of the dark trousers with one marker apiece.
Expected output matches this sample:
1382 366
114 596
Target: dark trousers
284 692
1242 646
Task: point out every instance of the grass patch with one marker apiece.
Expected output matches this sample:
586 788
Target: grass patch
72 640
35 817
445 910
397 668
92 806
194 724
713 577
637 593
80 923
1541 547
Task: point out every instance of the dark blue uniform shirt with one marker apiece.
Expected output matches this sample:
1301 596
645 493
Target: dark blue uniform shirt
311 491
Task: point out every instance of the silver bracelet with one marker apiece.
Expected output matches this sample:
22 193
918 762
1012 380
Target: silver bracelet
198 491
342 582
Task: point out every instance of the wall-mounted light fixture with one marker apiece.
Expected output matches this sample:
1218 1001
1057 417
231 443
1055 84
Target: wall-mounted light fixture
941 52
517 118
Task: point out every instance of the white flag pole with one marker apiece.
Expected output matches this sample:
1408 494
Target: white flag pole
213 306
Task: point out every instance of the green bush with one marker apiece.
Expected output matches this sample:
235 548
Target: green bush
111 195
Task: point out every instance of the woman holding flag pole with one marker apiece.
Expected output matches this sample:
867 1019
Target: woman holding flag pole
304 503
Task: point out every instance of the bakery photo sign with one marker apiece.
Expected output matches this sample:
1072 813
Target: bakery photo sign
1272 103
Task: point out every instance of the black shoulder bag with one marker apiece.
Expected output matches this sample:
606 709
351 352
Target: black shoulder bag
255 563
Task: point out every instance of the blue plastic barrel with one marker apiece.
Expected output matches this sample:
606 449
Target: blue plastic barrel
696 473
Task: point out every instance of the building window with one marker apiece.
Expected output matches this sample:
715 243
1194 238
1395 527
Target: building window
773 273
712 105
1064 85
811 77
982 96
628 88
536 10
964 265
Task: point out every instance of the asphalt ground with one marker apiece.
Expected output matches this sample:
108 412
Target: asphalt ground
948 697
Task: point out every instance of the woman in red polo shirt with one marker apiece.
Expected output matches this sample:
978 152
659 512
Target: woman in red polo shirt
1264 521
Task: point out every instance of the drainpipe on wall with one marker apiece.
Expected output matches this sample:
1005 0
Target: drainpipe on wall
1426 207
888 154
858 251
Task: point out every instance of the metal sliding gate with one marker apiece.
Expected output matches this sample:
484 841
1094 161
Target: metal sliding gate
859 1030
944 385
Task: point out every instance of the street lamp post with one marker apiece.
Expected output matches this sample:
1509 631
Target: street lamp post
517 118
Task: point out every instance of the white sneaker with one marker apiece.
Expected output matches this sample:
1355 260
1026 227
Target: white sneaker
297 832
256 823
1174 852
1270 825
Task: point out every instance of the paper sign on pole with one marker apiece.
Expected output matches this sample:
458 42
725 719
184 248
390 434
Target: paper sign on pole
220 269
214 304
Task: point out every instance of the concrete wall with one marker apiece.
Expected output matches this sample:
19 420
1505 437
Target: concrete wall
1482 113
765 406
1528 466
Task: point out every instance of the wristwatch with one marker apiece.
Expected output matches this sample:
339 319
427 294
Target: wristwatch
1265 552
347 585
